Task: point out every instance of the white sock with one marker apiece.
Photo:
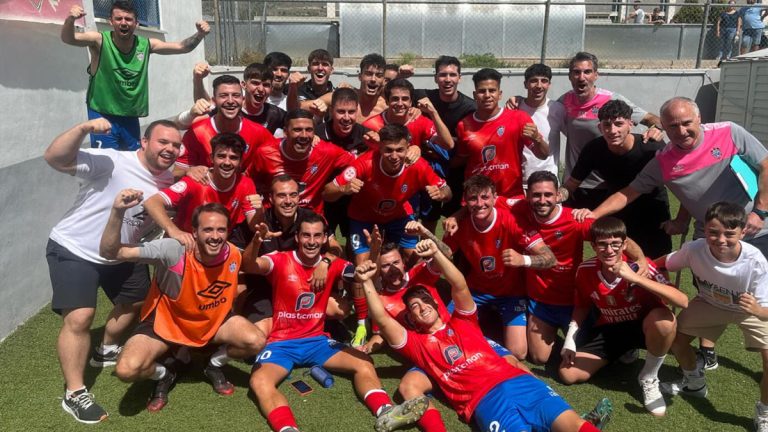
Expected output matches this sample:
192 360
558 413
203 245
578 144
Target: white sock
762 408
68 393
651 367
220 357
160 372
103 349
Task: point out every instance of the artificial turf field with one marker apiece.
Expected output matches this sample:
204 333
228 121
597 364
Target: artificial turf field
31 388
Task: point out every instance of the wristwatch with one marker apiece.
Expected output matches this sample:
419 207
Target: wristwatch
326 260
762 213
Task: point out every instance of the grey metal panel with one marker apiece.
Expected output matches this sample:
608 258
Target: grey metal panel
642 42
430 30
359 29
298 39
733 92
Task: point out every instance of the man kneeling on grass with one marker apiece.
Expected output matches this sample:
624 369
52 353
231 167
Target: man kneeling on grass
732 277
632 314
476 381
190 301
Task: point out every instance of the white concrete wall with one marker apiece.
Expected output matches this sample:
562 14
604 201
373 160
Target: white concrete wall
42 87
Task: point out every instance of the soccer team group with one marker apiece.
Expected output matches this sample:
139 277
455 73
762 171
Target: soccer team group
251 185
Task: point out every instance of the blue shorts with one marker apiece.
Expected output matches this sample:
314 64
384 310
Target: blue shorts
554 315
523 403
393 231
314 351
512 309
751 37
125 133
497 348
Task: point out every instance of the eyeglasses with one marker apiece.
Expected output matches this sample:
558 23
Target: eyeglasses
602 246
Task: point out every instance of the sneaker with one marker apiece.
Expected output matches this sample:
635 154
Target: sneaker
397 416
106 359
652 398
159 398
83 408
219 381
684 386
630 356
761 420
600 414
708 358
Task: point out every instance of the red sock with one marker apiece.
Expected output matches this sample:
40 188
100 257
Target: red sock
588 427
431 421
375 399
281 417
361 307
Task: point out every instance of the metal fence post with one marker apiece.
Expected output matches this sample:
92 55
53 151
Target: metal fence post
703 34
217 18
384 28
545 32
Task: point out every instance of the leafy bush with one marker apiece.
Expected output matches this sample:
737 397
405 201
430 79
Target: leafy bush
482 60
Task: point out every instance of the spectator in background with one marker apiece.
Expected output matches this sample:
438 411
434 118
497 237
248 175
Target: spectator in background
727 27
657 17
637 16
752 23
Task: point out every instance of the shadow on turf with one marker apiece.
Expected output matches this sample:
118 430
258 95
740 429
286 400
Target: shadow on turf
92 373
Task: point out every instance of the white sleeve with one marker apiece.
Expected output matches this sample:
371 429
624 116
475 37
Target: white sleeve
679 259
166 251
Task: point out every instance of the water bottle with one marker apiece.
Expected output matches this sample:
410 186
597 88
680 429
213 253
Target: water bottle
322 376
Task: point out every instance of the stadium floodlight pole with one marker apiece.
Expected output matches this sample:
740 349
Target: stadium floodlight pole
703 33
546 31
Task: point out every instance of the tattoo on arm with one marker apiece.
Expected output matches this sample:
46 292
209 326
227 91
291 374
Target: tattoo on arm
544 259
442 247
191 42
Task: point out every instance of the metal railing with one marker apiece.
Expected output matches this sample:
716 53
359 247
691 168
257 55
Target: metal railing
501 33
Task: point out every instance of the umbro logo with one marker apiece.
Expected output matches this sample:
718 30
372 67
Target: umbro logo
214 290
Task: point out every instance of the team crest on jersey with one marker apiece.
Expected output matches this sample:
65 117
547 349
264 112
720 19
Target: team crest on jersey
232 267
488 153
235 203
500 131
488 263
450 332
452 354
349 174
629 294
716 153
140 56
179 187
404 188
498 243
558 234
595 110
610 300
305 301
313 169
386 206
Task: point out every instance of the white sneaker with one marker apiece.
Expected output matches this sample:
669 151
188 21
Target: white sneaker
652 398
761 420
696 387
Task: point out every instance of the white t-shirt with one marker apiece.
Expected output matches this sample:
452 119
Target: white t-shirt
550 120
639 16
720 284
102 173
280 102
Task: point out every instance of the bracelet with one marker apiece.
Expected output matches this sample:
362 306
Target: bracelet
526 260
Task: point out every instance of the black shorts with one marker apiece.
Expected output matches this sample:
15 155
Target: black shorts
241 235
611 341
257 300
336 215
587 198
76 281
147 328
455 181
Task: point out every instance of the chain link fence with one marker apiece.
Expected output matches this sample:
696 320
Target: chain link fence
492 33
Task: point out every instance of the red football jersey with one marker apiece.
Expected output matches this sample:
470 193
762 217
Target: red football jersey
297 310
566 237
483 250
458 358
618 301
196 143
186 195
494 148
420 274
384 198
312 173
422 129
